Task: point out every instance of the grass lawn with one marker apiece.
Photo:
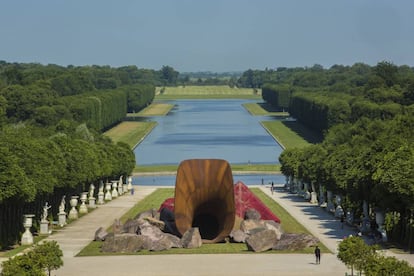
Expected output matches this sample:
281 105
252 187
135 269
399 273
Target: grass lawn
130 132
274 168
291 134
154 200
154 109
263 109
206 92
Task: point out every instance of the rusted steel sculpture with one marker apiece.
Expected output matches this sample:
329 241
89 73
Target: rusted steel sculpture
204 198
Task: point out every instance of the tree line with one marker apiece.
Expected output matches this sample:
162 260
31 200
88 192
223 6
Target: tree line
366 115
51 142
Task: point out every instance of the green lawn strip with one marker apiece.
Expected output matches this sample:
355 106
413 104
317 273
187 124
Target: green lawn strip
154 200
256 168
155 169
258 109
206 96
206 90
287 137
273 168
131 135
154 109
21 248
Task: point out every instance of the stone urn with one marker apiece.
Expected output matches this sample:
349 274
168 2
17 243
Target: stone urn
108 194
83 209
114 189
73 213
27 237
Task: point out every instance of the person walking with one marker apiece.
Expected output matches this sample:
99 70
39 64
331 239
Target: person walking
317 255
273 185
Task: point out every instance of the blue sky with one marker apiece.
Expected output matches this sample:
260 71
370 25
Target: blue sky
207 35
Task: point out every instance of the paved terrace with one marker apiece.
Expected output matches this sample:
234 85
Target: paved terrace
79 233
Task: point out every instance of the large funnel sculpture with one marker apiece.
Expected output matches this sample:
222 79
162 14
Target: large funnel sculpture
204 198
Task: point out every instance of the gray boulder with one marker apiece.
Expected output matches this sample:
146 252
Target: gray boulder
156 222
152 232
152 213
100 234
125 243
273 225
165 242
238 236
131 226
248 225
191 238
252 214
261 241
289 241
117 227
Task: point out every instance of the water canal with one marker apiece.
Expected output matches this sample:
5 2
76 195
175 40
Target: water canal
221 129
208 129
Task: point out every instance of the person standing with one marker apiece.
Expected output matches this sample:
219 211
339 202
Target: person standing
317 255
273 185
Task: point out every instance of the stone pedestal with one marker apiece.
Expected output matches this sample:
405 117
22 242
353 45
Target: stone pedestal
314 198
125 188
120 189
129 186
73 213
44 227
108 194
92 202
83 209
114 189
62 218
101 198
27 237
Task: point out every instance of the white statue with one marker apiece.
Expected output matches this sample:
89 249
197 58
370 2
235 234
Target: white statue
62 205
45 211
91 190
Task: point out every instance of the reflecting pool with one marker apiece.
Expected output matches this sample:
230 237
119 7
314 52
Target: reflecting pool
220 129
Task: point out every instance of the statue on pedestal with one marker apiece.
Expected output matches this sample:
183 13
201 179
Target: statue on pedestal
62 213
62 205
91 190
45 211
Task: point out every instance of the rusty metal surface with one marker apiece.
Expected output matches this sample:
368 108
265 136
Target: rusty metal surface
204 198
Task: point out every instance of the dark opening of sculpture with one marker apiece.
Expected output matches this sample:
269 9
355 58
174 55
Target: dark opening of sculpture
204 198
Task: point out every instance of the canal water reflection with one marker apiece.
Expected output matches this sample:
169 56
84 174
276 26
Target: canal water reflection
208 129
248 179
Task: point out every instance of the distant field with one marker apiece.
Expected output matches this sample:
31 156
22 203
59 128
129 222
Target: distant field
207 92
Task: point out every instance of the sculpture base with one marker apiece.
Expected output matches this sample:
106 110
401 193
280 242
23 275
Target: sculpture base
62 219
92 203
27 238
44 227
101 199
73 214
83 209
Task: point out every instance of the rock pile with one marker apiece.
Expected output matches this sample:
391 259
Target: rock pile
262 235
147 232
